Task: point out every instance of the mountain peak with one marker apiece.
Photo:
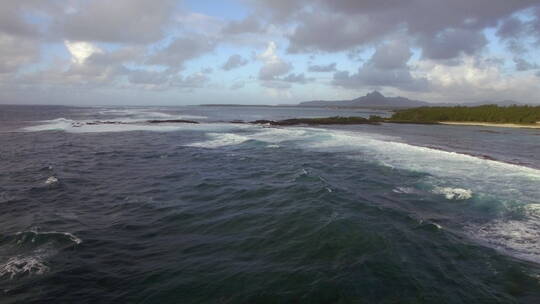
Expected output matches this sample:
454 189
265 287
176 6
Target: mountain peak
375 94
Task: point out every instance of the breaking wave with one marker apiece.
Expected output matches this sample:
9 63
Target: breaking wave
29 251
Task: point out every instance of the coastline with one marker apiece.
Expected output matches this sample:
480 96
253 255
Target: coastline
488 124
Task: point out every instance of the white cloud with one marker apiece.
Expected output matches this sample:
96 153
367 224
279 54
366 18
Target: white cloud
475 79
81 50
273 66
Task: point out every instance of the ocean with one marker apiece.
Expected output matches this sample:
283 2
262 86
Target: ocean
221 212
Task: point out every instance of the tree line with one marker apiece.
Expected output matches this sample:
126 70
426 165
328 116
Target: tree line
487 113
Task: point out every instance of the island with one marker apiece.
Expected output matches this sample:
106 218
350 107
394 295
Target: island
487 115
522 116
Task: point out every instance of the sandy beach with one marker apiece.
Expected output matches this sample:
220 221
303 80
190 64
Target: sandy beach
487 124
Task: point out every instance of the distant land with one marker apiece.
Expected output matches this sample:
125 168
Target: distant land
377 100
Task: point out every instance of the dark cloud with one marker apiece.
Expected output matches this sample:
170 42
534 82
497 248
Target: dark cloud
331 67
16 52
234 61
443 29
321 31
386 68
13 16
128 21
248 25
511 28
451 43
524 65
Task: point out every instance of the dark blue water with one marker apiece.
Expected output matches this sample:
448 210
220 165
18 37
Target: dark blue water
234 213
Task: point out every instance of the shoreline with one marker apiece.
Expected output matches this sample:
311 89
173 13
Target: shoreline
490 124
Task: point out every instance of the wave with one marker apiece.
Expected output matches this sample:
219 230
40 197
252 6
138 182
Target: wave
221 140
134 115
89 126
453 193
18 266
51 180
29 251
40 236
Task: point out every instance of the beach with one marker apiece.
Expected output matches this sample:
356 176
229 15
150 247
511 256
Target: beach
488 124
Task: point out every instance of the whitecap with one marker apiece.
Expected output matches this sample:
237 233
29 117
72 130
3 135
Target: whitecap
51 180
33 235
403 190
23 265
519 238
453 193
221 140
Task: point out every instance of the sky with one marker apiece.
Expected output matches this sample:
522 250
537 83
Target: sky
167 52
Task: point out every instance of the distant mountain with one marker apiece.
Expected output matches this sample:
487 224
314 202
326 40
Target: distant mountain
371 100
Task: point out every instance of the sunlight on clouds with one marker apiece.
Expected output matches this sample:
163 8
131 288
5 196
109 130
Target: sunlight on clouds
81 50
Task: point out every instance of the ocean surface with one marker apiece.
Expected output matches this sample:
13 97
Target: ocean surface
222 212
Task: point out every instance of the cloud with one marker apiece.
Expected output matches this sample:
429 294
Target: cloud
196 80
451 43
237 85
249 25
80 50
524 65
387 68
124 21
273 65
13 16
297 78
141 76
332 32
276 85
478 79
442 29
511 27
331 67
234 61
16 53
181 50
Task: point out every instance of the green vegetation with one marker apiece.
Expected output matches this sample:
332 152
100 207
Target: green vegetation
336 120
487 113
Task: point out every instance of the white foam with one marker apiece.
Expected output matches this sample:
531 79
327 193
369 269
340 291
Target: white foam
51 180
87 126
508 181
139 115
453 193
220 140
519 238
34 234
23 265
532 210
267 135
403 190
